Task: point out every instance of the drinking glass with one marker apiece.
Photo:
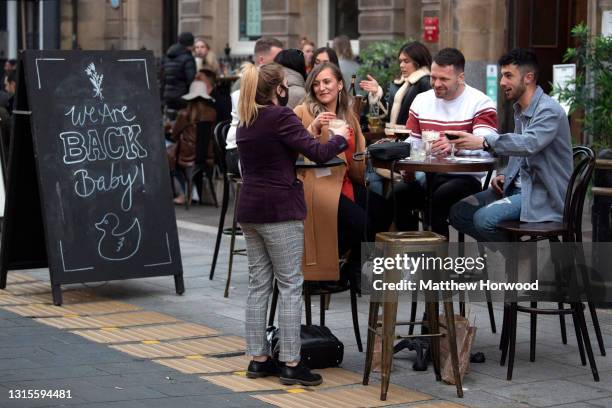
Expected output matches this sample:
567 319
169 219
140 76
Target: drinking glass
417 153
428 137
450 139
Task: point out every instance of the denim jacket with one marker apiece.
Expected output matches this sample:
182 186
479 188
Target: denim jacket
541 153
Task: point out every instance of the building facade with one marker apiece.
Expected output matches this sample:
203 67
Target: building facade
482 29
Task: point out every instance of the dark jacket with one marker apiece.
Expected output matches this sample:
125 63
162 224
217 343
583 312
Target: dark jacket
421 85
179 70
268 149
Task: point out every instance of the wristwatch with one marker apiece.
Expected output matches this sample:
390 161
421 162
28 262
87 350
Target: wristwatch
485 145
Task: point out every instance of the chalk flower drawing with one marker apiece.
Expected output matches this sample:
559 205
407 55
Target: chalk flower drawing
95 79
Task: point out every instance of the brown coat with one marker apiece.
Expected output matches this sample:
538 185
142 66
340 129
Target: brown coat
322 194
185 134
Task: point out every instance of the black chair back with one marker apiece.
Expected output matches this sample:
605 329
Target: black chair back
584 165
203 138
220 134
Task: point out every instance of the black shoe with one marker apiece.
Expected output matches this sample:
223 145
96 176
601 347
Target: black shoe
268 368
300 374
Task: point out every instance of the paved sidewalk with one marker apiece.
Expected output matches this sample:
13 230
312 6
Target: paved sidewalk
36 356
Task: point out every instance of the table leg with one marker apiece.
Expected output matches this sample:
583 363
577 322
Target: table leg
429 177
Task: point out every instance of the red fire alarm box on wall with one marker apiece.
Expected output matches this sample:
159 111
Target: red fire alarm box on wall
431 29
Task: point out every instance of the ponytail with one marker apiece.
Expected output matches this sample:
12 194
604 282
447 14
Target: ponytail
257 88
247 105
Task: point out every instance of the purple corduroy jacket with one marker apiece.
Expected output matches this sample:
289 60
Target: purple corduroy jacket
268 149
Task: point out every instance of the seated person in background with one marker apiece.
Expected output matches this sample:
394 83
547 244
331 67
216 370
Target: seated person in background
336 195
307 48
450 105
323 54
414 62
199 108
223 103
293 63
532 187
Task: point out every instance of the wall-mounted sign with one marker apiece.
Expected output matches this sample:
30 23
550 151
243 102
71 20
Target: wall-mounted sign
562 75
606 23
492 82
431 29
253 18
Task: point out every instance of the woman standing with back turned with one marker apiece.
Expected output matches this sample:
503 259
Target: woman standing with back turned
271 211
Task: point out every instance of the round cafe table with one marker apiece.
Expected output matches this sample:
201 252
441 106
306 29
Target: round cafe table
301 164
462 164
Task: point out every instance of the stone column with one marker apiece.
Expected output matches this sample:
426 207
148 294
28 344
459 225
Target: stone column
281 19
478 28
143 25
381 20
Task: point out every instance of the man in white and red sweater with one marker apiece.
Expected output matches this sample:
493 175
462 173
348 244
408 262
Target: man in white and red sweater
451 104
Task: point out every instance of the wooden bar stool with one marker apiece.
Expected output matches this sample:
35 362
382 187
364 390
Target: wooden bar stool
400 243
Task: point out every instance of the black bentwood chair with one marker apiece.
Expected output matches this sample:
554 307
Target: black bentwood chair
203 165
229 179
569 230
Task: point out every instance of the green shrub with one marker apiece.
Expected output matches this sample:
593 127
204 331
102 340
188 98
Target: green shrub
379 59
591 91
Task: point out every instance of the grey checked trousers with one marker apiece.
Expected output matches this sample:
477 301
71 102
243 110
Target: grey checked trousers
274 250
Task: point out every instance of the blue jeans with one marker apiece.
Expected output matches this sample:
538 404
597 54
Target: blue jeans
479 214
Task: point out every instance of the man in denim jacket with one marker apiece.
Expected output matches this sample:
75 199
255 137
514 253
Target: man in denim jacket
532 187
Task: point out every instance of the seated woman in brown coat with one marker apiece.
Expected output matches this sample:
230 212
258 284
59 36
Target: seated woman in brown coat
337 195
199 108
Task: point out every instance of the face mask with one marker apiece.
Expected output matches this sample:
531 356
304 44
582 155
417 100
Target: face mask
282 100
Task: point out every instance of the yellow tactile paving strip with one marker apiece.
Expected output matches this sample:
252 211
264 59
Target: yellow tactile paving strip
111 335
28 288
28 297
345 397
6 299
68 297
84 309
18 277
115 320
205 365
209 345
238 382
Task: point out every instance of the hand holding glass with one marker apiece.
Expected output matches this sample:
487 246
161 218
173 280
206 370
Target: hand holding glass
450 139
339 127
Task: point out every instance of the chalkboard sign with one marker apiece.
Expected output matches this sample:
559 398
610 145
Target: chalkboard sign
88 191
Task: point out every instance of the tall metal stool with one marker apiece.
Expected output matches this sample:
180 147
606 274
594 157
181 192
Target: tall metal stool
401 243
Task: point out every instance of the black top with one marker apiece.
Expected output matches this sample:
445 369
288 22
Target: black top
179 70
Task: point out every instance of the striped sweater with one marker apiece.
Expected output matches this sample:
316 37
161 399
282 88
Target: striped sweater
472 112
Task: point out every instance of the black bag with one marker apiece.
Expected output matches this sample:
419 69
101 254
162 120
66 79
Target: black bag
320 348
389 151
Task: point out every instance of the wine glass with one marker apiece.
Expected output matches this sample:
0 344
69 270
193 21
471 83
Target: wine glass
452 155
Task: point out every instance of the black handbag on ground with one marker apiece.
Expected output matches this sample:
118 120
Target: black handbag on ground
320 348
389 151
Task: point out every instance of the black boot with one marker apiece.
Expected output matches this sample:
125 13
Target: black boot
300 374
269 367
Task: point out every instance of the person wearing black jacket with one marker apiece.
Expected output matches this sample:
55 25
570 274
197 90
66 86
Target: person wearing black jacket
179 70
415 62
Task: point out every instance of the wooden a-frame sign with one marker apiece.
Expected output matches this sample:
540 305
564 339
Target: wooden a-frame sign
88 187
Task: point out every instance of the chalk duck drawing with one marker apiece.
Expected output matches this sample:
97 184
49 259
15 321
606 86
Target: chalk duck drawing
115 245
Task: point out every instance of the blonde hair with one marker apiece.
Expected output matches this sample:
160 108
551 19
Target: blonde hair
257 87
343 107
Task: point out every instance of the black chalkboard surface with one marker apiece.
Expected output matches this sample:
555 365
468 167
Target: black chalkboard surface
88 190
